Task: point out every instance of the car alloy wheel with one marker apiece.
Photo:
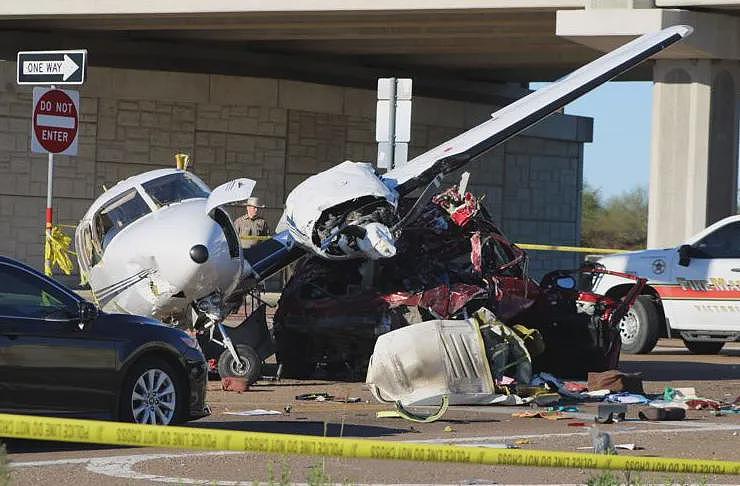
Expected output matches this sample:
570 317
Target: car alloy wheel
154 398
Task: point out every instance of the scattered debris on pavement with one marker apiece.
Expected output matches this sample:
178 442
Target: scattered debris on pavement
543 414
234 384
660 414
254 413
608 413
319 396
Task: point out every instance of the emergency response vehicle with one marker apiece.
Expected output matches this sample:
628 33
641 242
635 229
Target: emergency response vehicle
693 291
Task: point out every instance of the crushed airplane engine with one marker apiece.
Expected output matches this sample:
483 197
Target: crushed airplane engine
451 261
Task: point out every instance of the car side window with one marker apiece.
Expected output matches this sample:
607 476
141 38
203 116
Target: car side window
22 294
722 243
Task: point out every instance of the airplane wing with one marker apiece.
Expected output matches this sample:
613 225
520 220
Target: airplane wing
523 113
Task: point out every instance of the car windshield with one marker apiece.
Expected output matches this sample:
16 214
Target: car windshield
174 188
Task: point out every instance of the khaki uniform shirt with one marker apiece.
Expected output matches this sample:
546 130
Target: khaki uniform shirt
247 227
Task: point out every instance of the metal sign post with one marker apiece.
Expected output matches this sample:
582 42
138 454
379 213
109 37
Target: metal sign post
49 211
55 118
54 129
393 121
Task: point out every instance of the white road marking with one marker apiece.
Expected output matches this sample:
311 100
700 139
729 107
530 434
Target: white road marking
122 467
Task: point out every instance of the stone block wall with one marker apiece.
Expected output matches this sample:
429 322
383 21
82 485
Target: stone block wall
277 132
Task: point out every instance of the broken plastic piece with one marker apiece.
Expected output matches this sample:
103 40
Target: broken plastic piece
609 413
254 413
627 398
602 442
543 414
321 396
660 414
401 412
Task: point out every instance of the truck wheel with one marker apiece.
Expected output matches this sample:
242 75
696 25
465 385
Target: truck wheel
704 347
249 368
640 327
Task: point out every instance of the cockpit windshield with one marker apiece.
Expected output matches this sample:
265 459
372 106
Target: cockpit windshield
174 188
117 214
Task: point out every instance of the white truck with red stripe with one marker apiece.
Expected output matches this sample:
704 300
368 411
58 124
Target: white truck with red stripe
693 291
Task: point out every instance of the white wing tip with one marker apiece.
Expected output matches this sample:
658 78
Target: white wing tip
682 30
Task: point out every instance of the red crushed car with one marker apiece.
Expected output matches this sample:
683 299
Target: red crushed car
451 260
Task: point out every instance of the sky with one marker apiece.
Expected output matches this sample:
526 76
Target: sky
618 159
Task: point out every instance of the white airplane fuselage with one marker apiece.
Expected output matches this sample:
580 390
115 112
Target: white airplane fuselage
164 260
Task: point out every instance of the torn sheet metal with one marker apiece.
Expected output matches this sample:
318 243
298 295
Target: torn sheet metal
423 363
322 200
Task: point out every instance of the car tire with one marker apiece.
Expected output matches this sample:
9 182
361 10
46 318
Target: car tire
251 368
704 347
156 380
640 327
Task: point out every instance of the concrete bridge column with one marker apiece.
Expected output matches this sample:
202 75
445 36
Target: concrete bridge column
694 157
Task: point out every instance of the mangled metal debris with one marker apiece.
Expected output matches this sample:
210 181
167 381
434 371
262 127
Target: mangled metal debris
452 265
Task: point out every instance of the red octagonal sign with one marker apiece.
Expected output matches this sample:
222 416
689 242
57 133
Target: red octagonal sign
55 121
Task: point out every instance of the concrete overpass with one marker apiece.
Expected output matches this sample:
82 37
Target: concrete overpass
471 50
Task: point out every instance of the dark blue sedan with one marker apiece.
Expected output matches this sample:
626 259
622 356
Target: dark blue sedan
59 355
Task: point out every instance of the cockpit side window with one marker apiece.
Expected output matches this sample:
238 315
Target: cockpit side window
85 251
117 214
174 188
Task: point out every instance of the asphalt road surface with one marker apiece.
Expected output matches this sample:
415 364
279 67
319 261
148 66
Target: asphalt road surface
701 436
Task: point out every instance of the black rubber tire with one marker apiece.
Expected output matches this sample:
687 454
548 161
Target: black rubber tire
252 364
648 327
177 377
704 347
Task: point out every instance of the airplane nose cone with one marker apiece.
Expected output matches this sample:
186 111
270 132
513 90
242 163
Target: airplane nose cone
199 253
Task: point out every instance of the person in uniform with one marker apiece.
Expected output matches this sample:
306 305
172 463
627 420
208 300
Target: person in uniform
251 224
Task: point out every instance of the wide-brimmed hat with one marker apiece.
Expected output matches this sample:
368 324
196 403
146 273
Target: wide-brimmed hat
255 202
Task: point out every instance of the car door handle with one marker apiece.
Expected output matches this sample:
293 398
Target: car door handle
736 269
12 337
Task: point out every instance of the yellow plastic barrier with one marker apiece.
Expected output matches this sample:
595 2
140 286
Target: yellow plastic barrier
98 432
577 249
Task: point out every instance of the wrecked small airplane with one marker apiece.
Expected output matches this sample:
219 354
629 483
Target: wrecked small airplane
159 244
451 261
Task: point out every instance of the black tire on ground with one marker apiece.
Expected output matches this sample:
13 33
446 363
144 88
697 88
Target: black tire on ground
251 362
160 369
640 328
704 347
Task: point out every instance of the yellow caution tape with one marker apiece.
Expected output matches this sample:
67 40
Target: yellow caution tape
98 432
56 251
253 238
577 249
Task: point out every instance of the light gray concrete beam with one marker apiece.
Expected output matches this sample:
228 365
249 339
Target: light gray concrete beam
11 9
716 36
